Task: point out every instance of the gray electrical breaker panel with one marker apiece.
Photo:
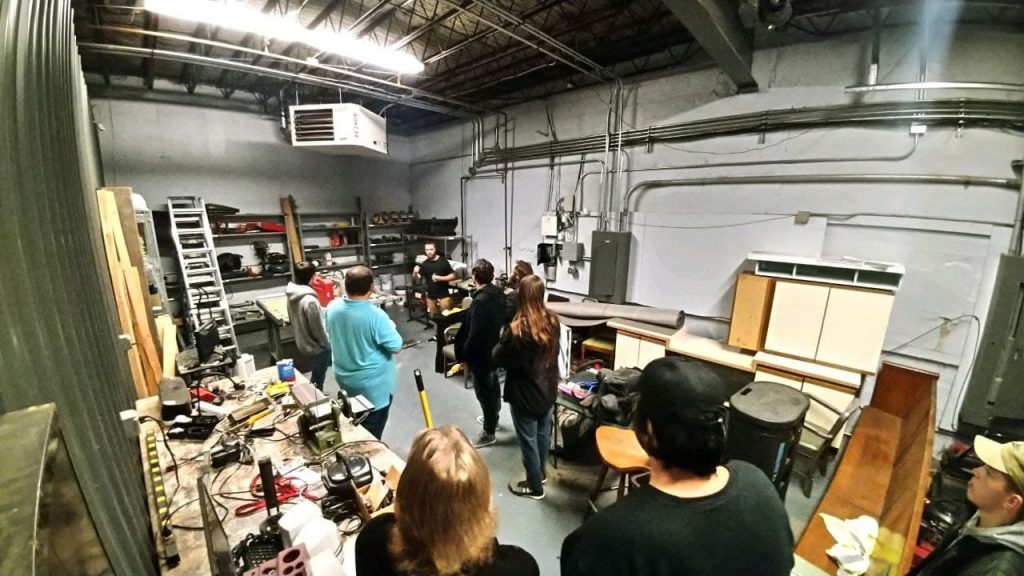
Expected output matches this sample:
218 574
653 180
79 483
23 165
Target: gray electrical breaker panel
994 399
609 265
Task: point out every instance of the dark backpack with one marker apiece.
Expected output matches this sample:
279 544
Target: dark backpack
616 396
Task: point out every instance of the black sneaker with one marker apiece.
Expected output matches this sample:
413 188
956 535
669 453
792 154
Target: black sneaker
484 439
522 488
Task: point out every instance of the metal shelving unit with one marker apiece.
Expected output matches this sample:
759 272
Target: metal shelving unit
248 235
245 279
223 239
391 229
315 228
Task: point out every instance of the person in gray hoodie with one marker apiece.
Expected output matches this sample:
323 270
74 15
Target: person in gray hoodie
990 543
307 319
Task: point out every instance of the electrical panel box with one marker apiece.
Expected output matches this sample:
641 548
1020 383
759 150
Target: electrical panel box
994 399
609 265
571 251
549 225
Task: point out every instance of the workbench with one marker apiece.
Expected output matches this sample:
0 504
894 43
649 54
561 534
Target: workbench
233 481
275 314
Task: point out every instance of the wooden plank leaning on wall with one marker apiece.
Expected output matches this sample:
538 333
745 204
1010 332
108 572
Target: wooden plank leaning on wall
130 290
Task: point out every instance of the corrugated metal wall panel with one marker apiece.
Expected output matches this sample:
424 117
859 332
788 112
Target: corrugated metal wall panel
58 338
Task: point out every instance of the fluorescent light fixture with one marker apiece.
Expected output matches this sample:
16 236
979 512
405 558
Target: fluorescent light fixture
239 16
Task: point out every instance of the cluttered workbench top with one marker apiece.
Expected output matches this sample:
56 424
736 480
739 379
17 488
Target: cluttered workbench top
228 459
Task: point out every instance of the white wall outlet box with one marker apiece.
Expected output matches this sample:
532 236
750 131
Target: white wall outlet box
549 225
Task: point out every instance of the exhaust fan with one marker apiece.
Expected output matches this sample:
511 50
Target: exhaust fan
339 129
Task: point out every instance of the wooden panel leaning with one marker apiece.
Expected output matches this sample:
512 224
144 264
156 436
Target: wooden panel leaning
884 472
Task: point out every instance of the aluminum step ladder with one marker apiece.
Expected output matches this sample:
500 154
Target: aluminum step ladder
205 298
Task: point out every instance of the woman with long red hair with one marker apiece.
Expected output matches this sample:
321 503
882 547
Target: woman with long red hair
528 351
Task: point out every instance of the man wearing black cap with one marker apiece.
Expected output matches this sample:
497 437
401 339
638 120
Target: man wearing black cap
990 543
696 517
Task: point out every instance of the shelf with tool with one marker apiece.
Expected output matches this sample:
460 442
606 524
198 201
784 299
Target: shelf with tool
335 239
386 245
264 260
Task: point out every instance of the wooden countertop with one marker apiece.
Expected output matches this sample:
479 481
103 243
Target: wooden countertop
710 350
654 331
235 478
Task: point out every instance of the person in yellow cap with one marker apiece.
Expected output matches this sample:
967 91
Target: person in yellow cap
991 542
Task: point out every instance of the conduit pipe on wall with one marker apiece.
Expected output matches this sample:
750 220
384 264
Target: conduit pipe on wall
935 112
981 181
580 184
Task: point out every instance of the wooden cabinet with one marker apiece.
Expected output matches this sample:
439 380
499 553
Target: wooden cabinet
791 380
635 351
839 397
842 327
649 351
627 350
798 311
750 309
854 328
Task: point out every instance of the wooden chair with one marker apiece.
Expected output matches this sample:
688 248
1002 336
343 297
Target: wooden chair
448 339
621 452
812 453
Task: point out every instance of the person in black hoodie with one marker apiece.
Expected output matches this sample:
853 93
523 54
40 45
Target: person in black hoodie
528 350
473 344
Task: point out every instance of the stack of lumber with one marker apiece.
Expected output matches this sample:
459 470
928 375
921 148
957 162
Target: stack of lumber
127 279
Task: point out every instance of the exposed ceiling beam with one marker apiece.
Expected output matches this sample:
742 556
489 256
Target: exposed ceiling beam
371 17
716 25
397 90
267 8
151 22
457 77
263 71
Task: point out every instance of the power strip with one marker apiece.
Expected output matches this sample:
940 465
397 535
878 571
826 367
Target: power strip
161 502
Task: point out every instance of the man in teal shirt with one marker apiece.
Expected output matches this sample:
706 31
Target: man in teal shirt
364 342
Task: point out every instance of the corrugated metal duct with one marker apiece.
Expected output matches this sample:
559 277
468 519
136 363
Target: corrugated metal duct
58 341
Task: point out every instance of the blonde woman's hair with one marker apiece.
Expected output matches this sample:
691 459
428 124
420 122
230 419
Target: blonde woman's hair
444 524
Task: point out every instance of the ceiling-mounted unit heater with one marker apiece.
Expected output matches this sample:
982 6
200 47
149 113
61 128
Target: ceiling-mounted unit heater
339 129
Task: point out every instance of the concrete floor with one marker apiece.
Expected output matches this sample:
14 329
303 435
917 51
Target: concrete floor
537 526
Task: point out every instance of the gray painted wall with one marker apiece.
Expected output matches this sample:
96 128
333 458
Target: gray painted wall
240 159
690 244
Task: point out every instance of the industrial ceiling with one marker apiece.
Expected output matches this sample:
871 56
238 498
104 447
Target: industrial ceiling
478 55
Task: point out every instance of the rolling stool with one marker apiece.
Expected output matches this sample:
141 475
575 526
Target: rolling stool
620 451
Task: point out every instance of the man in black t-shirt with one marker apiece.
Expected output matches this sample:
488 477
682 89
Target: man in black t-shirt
437 273
696 517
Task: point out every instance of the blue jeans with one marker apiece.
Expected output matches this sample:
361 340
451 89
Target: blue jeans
318 366
376 420
488 394
534 439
